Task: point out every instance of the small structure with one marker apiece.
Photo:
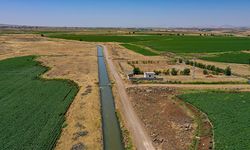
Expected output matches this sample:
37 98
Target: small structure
149 75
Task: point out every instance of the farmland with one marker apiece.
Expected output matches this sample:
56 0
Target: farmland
238 57
229 114
32 109
168 43
139 49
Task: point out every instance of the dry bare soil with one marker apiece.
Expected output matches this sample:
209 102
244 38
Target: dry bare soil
72 60
169 124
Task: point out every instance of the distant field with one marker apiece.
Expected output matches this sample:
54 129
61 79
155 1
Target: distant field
103 38
139 49
32 110
239 58
197 44
229 113
175 44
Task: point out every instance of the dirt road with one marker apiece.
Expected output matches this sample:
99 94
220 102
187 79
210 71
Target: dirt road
139 135
238 87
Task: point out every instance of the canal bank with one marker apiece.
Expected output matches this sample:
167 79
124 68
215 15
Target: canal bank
112 138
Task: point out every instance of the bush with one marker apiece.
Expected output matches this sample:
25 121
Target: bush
205 72
180 61
187 62
215 73
137 71
157 72
228 71
186 72
219 70
166 72
174 72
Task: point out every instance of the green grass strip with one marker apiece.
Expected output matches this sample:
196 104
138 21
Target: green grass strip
139 50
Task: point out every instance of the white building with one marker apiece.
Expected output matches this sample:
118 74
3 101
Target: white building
149 75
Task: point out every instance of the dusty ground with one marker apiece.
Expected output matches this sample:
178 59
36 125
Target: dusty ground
170 125
199 76
72 60
121 57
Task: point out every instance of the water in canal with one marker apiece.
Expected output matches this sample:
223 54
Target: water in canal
111 129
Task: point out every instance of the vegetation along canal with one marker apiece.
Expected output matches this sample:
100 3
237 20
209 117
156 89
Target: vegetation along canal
111 129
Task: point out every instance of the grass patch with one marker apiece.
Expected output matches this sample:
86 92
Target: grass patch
239 58
32 109
229 113
139 49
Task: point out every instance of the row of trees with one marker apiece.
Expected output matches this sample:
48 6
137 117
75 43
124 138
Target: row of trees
173 71
215 70
143 62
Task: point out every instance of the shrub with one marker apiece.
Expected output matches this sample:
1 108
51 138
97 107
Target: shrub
205 72
174 72
180 61
219 70
228 71
215 73
186 71
187 62
157 72
166 72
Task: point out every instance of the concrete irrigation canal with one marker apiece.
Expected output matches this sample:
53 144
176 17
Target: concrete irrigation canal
111 129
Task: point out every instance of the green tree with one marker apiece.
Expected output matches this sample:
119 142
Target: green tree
174 72
205 72
137 71
186 72
228 71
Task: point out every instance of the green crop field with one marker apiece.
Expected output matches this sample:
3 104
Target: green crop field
229 114
32 109
103 38
239 58
197 44
167 43
139 49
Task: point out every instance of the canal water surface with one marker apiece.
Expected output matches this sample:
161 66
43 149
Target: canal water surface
111 129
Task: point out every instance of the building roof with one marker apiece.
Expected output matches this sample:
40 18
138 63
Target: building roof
149 72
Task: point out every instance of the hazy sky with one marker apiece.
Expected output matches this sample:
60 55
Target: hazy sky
126 13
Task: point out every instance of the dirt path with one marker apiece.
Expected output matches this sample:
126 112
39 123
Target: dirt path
238 87
139 135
